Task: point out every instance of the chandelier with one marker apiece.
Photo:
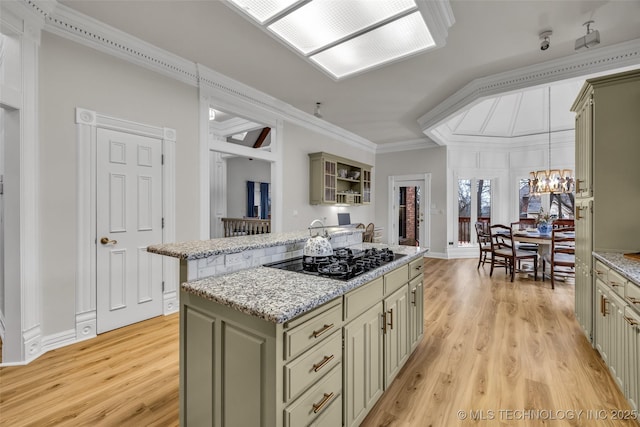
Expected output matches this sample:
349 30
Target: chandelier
550 180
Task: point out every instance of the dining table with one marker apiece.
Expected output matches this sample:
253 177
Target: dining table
542 240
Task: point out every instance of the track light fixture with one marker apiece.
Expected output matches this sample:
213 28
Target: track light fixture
545 37
591 39
317 111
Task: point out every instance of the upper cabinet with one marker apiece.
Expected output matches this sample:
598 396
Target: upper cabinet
336 180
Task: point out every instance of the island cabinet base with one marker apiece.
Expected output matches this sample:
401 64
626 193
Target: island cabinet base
240 370
326 367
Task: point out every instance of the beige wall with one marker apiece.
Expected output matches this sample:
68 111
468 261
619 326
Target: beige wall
297 212
428 160
71 76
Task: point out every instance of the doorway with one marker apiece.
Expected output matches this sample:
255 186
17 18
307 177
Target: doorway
242 172
409 219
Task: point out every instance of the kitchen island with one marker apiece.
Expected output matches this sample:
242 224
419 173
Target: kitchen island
268 347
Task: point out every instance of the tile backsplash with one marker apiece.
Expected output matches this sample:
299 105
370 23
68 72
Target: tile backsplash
217 265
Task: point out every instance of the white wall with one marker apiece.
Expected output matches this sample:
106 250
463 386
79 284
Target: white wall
297 212
239 171
428 160
71 76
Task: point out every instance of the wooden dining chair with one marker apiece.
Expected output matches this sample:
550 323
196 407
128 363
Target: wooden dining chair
505 254
484 242
563 223
367 236
561 258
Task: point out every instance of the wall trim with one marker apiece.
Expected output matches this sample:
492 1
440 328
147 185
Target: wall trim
87 124
411 144
592 61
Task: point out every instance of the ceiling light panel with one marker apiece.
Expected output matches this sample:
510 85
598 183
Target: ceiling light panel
321 23
390 42
263 10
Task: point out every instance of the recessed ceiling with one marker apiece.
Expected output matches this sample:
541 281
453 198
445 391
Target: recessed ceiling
513 115
382 105
344 38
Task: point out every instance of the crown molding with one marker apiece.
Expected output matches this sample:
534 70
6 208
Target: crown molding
565 138
66 22
591 61
408 145
220 87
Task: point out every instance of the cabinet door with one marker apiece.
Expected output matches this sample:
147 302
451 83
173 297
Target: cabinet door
584 149
583 281
397 333
416 312
601 321
366 186
363 363
617 326
329 180
632 353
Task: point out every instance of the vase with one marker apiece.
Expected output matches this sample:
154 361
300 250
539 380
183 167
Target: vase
544 228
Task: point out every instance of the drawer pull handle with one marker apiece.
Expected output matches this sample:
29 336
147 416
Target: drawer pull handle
384 322
633 300
324 329
599 272
578 181
630 321
322 364
413 293
391 315
578 209
615 283
317 407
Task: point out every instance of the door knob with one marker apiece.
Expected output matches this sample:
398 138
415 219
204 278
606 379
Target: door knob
106 241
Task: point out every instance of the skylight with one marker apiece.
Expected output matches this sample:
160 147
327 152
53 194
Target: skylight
347 37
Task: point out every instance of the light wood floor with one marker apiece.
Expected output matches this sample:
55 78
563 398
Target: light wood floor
489 345
493 345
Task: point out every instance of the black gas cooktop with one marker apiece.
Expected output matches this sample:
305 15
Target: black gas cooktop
344 264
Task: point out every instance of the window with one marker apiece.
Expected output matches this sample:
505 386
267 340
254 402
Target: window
529 204
474 204
561 205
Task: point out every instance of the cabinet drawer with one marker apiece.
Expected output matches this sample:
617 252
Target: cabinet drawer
600 271
616 282
331 417
396 279
632 295
312 331
358 300
312 365
416 267
316 401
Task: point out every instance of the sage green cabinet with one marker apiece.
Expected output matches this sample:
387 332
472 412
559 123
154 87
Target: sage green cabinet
632 353
607 174
416 311
396 340
336 180
379 339
363 364
239 370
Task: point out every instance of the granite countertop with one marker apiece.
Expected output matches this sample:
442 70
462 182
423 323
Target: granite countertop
627 267
280 295
198 249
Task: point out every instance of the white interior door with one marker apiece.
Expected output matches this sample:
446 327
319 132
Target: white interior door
128 219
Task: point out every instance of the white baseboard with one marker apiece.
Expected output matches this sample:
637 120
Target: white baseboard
439 255
57 340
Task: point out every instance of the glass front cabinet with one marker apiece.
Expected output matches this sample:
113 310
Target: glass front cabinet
336 180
